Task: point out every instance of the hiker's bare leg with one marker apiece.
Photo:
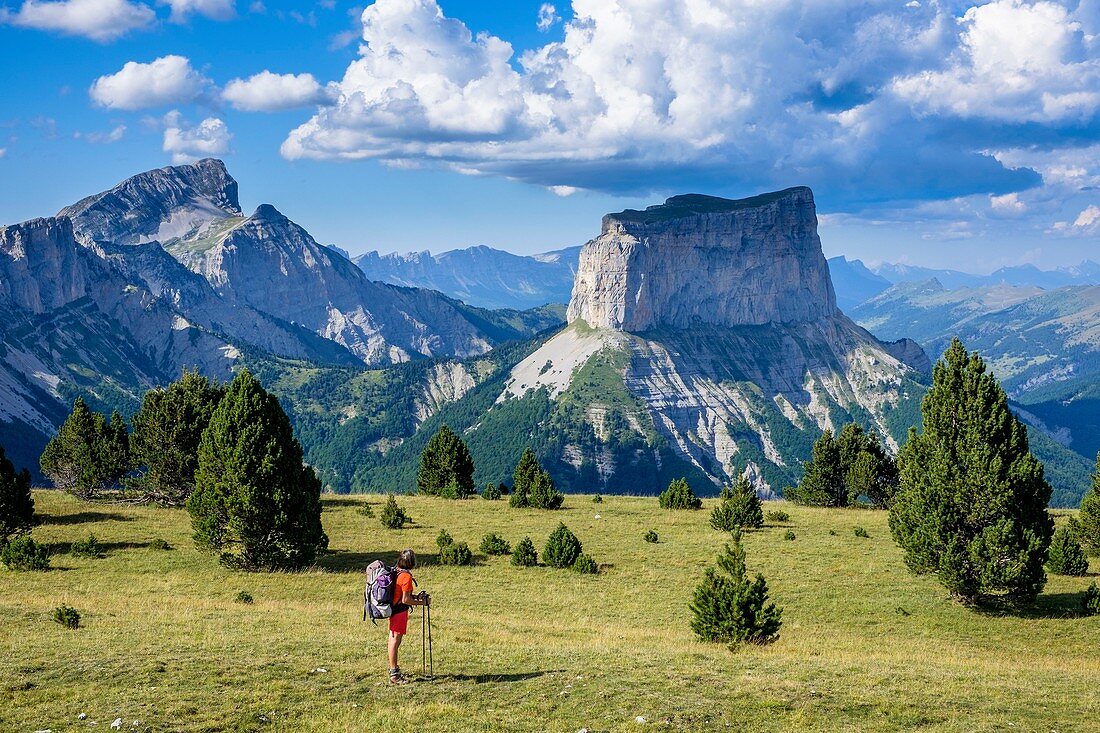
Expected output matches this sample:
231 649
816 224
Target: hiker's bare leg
395 644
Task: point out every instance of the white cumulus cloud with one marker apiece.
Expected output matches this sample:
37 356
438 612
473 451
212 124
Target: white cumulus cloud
99 20
269 92
98 138
1088 219
868 100
547 18
213 9
1014 61
169 80
186 143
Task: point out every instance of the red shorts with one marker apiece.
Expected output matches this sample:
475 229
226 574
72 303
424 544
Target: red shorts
399 622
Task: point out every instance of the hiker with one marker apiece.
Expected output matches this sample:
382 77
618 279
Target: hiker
403 597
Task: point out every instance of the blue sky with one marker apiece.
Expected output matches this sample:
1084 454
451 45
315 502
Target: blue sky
937 133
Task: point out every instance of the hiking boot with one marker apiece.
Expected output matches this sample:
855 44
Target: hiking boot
396 678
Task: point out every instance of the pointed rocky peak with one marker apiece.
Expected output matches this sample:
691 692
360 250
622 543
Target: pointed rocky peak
706 261
268 214
163 204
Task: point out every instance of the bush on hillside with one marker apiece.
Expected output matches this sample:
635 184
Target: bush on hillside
861 532
159 544
1090 600
255 500
777 516
790 535
67 616
562 548
244 597
585 565
167 431
446 468
494 544
491 492
679 495
87 547
597 499
650 536
973 452
16 502
443 539
456 553
367 510
24 554
738 506
393 515
729 608
1066 556
88 454
525 555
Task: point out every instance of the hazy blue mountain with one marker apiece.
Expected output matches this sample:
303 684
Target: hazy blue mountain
854 282
481 276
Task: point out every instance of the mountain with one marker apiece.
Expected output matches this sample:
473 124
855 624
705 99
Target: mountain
122 290
481 276
1044 346
853 282
703 341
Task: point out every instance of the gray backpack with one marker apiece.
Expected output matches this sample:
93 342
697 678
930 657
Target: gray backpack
378 592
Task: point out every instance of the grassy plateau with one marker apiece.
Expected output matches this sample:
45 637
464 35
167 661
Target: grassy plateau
164 645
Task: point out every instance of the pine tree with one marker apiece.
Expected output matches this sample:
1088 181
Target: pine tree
738 506
1066 557
254 498
1090 514
393 515
679 495
845 468
88 454
167 432
446 467
543 493
971 502
491 492
822 481
523 479
562 548
525 555
728 608
16 502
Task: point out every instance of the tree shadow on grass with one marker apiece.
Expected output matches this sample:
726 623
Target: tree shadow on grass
64 548
1046 606
336 501
479 679
346 561
82 517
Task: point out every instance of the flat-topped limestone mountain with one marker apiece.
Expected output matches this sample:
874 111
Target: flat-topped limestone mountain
712 327
700 260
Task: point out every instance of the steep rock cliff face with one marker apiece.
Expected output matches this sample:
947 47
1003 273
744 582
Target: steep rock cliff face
72 323
704 334
700 260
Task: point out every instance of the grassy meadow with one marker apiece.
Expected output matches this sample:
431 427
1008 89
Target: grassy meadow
865 646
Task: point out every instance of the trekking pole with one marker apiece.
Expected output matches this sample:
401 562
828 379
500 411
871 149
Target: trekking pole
431 661
423 653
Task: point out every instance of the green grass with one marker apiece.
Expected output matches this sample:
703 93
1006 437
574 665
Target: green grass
865 646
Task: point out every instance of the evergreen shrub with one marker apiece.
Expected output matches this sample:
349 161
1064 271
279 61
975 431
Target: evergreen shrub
679 495
562 548
729 608
524 555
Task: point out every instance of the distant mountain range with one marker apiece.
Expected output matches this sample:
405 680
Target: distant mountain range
856 283
493 278
482 276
